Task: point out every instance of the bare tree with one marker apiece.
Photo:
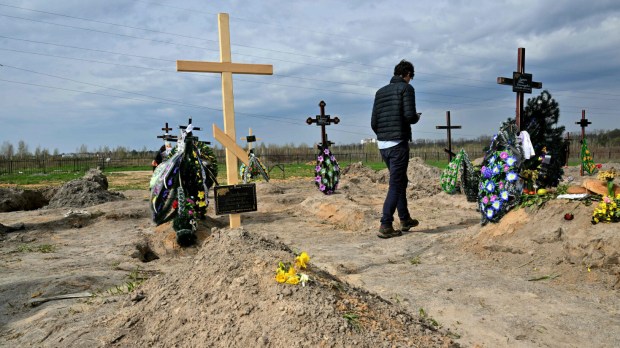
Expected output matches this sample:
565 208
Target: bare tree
22 149
7 150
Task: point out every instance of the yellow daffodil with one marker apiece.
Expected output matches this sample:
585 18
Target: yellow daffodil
281 277
201 194
302 260
291 272
202 203
293 280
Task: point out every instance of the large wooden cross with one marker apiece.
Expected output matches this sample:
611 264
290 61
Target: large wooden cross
583 123
449 128
226 68
521 83
323 120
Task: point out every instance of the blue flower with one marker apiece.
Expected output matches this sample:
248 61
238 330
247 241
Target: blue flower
490 186
492 159
490 213
511 176
504 195
486 172
511 160
496 205
496 170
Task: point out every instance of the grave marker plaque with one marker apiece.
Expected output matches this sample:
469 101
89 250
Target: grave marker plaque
235 199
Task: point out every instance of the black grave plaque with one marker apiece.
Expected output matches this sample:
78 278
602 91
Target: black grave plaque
234 199
521 82
250 138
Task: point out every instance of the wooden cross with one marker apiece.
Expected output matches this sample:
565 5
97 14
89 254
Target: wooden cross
323 120
521 83
167 136
583 123
226 68
448 127
250 139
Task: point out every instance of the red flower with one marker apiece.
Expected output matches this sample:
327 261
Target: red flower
599 166
175 204
568 216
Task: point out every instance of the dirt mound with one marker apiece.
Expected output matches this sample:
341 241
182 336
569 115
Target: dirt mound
230 289
424 180
92 189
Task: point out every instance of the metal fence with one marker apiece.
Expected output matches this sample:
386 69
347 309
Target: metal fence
82 164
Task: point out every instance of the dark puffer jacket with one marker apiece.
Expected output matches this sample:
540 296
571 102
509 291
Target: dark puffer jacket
394 111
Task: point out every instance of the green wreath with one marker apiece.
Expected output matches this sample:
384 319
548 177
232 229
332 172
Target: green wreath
327 171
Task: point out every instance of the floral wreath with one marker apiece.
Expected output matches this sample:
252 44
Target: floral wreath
499 188
179 187
255 169
327 171
449 175
469 180
587 163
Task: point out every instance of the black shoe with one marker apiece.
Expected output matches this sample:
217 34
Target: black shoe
388 232
408 224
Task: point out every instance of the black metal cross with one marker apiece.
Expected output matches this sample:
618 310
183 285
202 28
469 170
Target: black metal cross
191 135
449 127
521 83
323 120
583 123
167 136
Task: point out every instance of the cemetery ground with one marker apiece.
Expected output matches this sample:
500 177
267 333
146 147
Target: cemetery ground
532 280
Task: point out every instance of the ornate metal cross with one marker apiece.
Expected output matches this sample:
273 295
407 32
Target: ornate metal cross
323 120
521 83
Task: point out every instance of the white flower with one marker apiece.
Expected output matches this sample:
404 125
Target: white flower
303 278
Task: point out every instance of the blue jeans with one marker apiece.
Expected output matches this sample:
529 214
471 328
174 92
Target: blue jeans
396 159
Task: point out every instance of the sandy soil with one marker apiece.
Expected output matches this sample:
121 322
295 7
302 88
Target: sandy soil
532 280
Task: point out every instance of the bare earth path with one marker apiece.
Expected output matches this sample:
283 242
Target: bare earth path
533 280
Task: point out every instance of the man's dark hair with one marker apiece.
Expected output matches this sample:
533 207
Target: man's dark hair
403 68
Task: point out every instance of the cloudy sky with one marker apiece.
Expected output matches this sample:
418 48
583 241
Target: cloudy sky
100 73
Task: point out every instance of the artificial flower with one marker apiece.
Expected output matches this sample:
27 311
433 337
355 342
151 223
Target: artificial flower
490 213
490 186
511 161
302 260
504 195
303 279
511 176
201 194
496 205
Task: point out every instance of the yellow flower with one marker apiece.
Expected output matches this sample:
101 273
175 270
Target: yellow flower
292 272
281 277
202 204
302 260
201 194
293 280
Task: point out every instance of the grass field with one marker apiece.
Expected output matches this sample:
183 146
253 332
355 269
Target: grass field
277 172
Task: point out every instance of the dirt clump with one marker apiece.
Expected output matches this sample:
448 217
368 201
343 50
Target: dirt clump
92 189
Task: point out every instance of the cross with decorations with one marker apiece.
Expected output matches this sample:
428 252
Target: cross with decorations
449 127
226 68
583 123
521 83
323 120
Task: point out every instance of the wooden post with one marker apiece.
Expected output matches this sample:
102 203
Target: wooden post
521 83
583 123
449 127
226 68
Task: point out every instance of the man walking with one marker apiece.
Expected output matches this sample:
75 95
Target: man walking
393 113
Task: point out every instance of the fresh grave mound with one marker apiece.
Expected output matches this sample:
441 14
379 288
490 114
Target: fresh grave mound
92 189
423 179
544 235
228 297
359 172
